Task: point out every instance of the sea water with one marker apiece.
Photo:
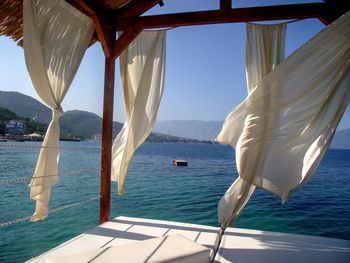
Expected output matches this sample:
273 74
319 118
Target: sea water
158 190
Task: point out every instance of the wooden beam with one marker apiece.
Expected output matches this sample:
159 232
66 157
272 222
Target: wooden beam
225 4
107 131
136 8
103 20
264 13
124 40
106 33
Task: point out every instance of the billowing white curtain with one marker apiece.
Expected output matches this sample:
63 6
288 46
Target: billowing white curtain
286 129
56 36
265 49
142 68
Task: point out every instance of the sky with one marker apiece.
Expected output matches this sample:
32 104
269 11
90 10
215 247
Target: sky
205 67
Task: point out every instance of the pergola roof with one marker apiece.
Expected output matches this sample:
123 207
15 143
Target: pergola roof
110 16
126 14
11 23
11 19
111 4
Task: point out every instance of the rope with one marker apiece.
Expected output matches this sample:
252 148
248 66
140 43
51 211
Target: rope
74 204
27 179
22 153
12 222
11 146
27 218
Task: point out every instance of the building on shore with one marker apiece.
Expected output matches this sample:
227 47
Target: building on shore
15 127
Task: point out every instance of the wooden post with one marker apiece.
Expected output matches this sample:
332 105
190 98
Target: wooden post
225 4
107 126
107 132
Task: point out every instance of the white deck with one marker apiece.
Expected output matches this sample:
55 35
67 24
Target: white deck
125 230
237 245
245 245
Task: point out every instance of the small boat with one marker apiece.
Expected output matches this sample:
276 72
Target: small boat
180 163
3 140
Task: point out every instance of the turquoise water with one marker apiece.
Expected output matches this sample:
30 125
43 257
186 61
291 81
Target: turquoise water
156 189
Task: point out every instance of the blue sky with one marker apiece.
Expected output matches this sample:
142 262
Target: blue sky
205 68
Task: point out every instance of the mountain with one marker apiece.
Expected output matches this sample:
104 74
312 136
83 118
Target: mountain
341 140
73 123
84 124
208 130
200 130
78 123
6 115
31 126
25 106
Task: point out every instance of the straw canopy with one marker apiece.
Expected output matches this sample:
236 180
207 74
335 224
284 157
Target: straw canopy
11 21
11 14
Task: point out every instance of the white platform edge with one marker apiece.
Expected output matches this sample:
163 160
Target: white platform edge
247 245
175 225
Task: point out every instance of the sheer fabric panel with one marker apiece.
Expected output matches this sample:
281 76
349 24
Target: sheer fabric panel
265 49
142 68
56 36
286 130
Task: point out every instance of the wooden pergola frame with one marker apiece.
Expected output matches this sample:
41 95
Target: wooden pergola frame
128 19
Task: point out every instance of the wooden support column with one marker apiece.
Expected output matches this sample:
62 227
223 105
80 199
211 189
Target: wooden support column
106 33
107 132
107 126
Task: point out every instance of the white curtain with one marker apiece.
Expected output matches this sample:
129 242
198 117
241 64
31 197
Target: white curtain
142 68
265 49
56 36
286 129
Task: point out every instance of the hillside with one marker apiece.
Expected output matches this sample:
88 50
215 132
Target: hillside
73 123
31 126
6 115
25 106
83 124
